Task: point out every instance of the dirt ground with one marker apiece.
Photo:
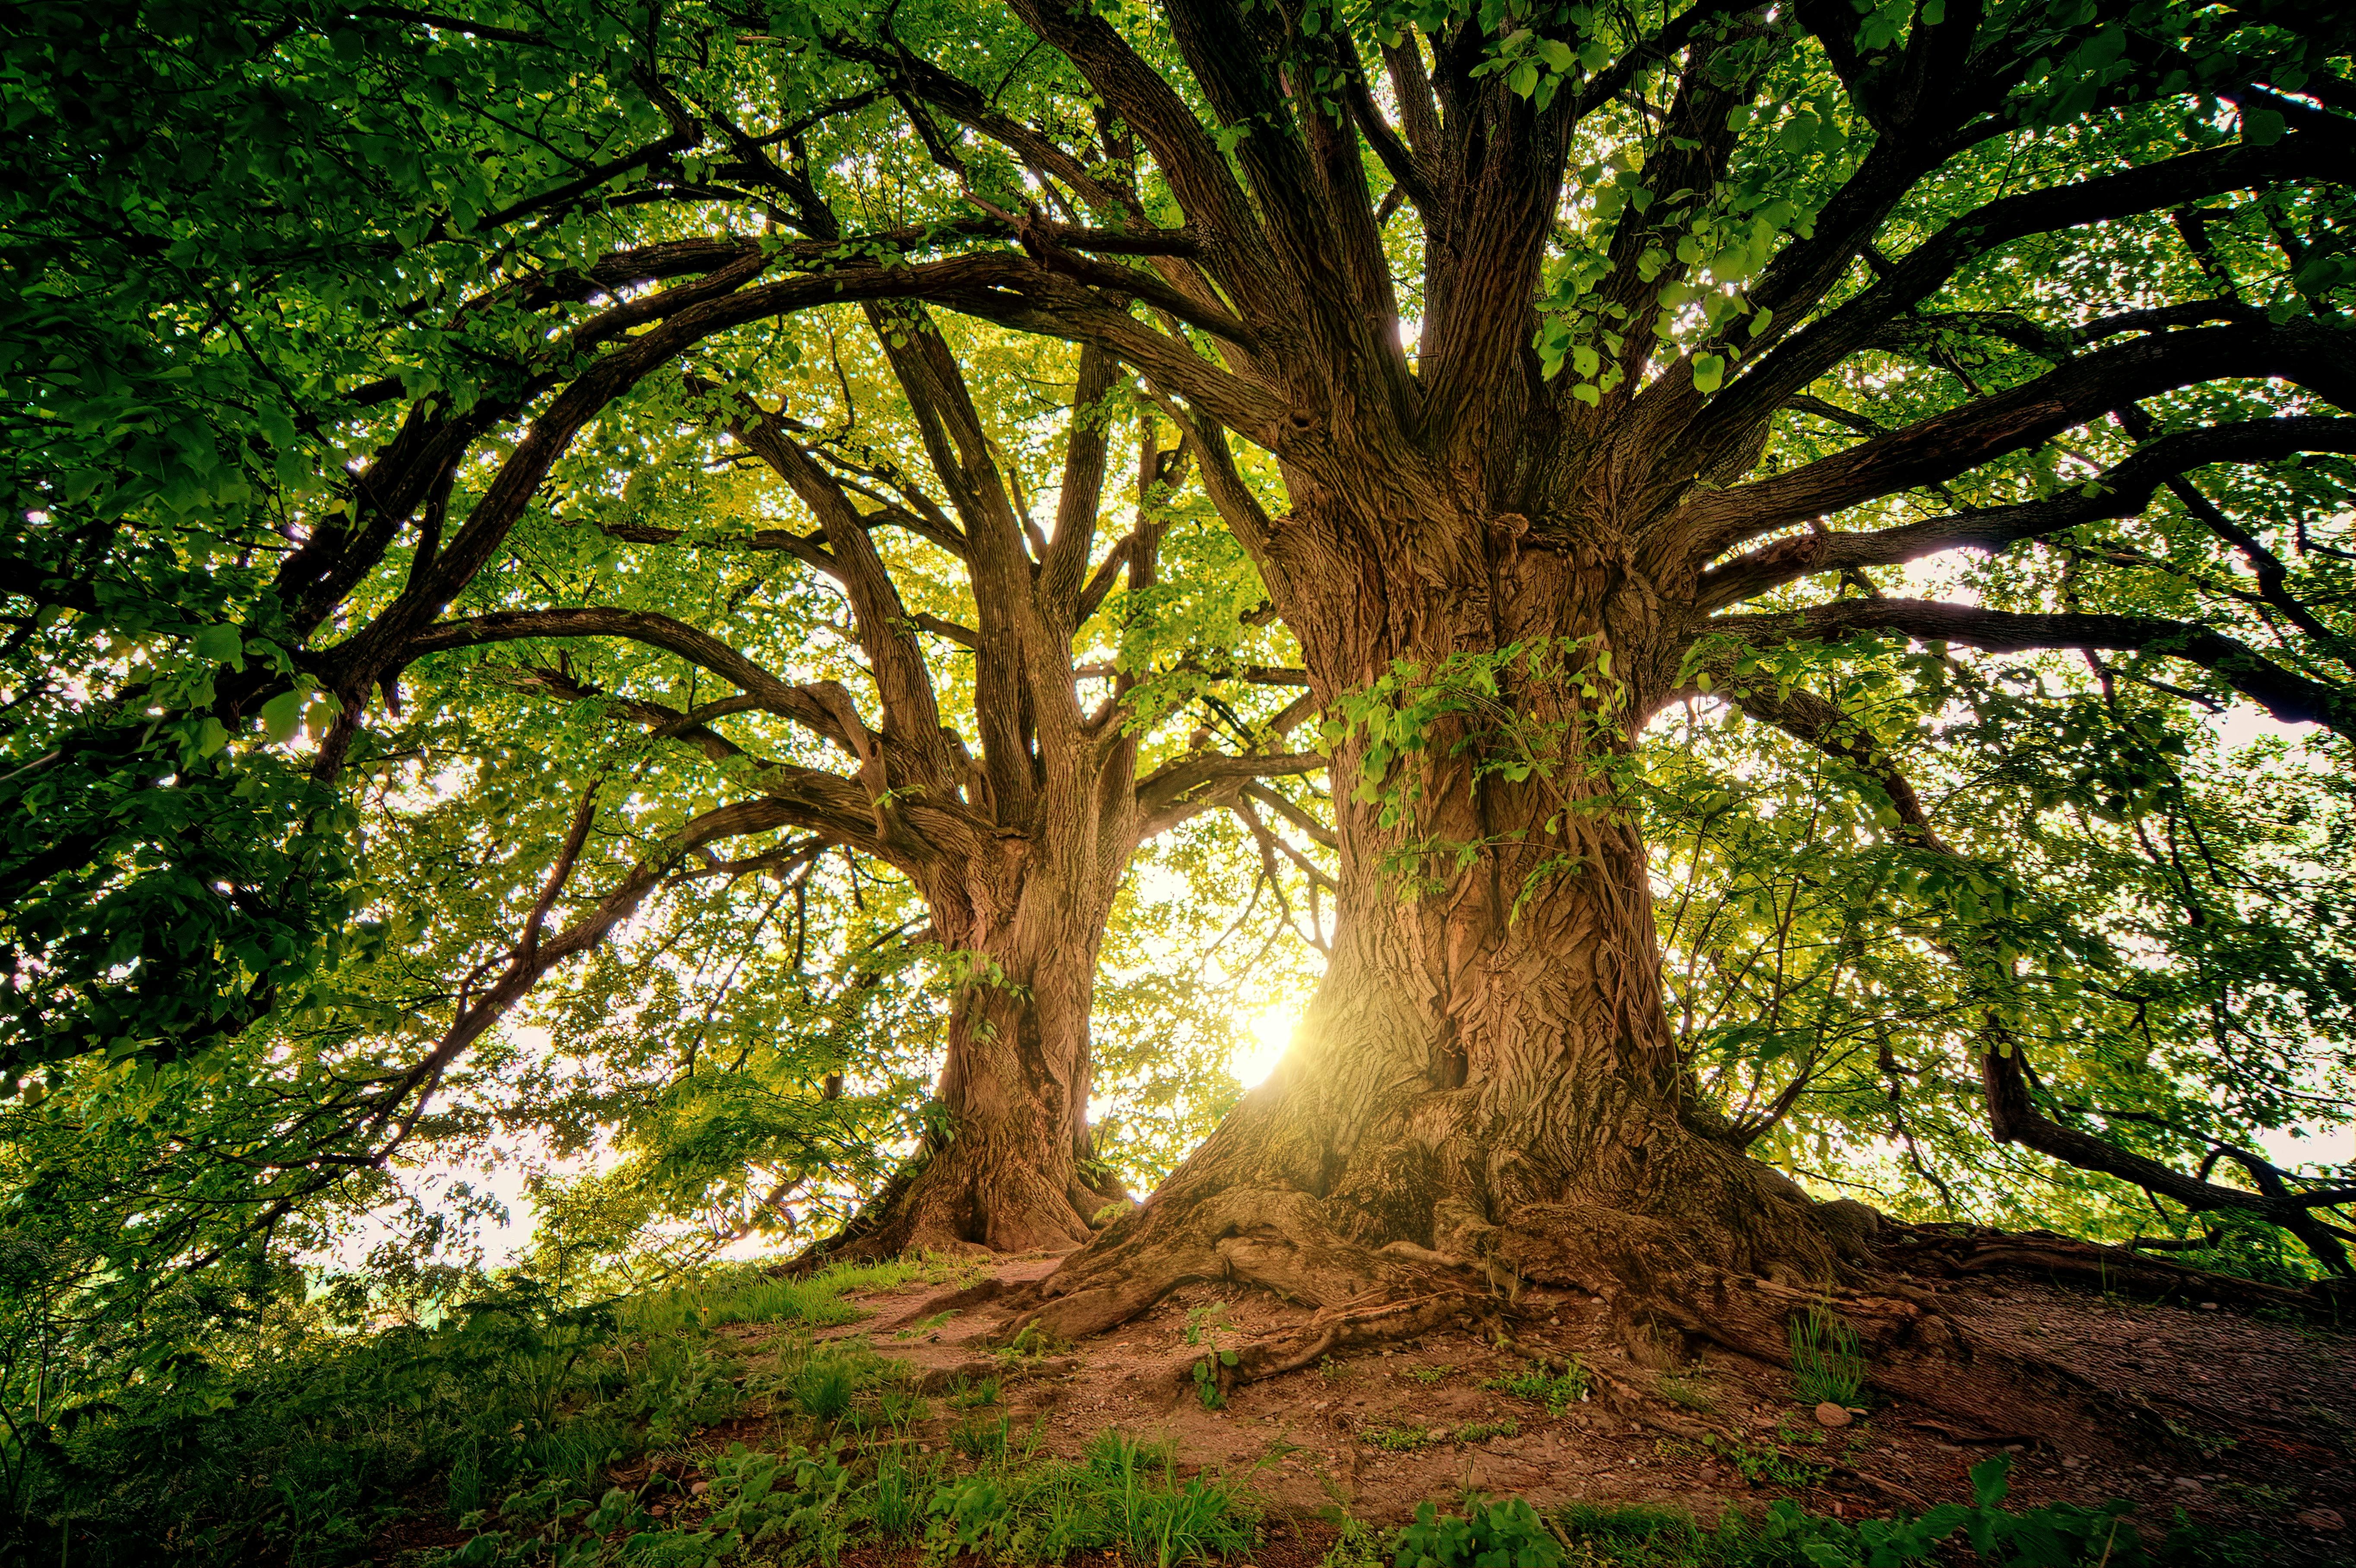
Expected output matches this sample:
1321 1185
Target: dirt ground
2242 1422
2239 1422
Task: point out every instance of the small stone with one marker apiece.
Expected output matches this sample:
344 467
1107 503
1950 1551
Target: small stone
2321 1518
700 1488
1438 1434
2208 1307
1831 1414
2069 1461
2188 1483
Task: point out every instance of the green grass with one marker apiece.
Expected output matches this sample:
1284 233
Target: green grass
746 1294
1827 1365
1406 1439
298 1445
1587 1536
1537 1383
1122 1497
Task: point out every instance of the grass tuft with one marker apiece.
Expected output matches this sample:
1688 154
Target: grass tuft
1827 1365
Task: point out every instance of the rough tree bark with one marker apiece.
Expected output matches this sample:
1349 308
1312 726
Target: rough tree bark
1484 1089
1486 1086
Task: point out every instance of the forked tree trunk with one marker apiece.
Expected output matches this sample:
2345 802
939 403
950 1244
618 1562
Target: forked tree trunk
1486 1087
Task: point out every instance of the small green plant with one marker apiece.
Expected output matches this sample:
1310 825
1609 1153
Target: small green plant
1429 1375
1487 1534
1557 1392
1405 1439
964 1395
900 1408
824 1388
1358 1545
970 1515
1206 1378
1203 1327
917 1330
1202 1323
1827 1365
979 1439
1765 1464
1482 1431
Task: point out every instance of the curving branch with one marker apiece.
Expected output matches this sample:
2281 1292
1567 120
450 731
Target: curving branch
1189 786
1810 351
2120 491
1946 445
2291 698
804 704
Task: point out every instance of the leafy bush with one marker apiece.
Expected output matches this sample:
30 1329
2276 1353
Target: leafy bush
1508 1535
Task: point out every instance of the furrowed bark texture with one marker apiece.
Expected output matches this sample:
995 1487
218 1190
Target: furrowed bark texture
1486 1087
1009 1176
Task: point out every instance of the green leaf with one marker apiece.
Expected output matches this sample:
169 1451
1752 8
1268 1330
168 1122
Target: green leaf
1709 371
283 714
221 644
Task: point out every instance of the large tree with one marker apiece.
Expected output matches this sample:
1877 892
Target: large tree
281 403
1533 473
1566 335
1016 841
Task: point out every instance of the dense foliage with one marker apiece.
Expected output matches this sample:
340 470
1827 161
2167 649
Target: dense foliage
332 906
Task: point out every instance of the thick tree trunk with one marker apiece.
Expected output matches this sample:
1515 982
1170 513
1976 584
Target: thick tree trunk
1009 1167
1486 1087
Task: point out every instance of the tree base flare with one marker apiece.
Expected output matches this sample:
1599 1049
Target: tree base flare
1664 1297
962 1201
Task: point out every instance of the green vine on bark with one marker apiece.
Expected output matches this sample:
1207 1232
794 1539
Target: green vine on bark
1475 706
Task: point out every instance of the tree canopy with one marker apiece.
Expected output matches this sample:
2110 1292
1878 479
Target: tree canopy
678 582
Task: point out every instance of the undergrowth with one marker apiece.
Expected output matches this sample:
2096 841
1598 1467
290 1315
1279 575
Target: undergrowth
552 1436
809 1506
1556 1391
1510 1535
294 1444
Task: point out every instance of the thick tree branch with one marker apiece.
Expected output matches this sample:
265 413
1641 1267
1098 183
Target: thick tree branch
2123 490
2293 698
1188 785
799 703
1810 351
1944 445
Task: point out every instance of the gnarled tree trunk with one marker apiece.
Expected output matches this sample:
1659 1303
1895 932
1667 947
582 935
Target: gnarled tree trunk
1486 1086
1009 1168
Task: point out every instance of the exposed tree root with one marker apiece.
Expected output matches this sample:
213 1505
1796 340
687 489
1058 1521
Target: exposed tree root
1953 1250
1669 1297
955 1200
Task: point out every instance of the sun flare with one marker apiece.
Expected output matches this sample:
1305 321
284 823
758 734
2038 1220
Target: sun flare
1266 1037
